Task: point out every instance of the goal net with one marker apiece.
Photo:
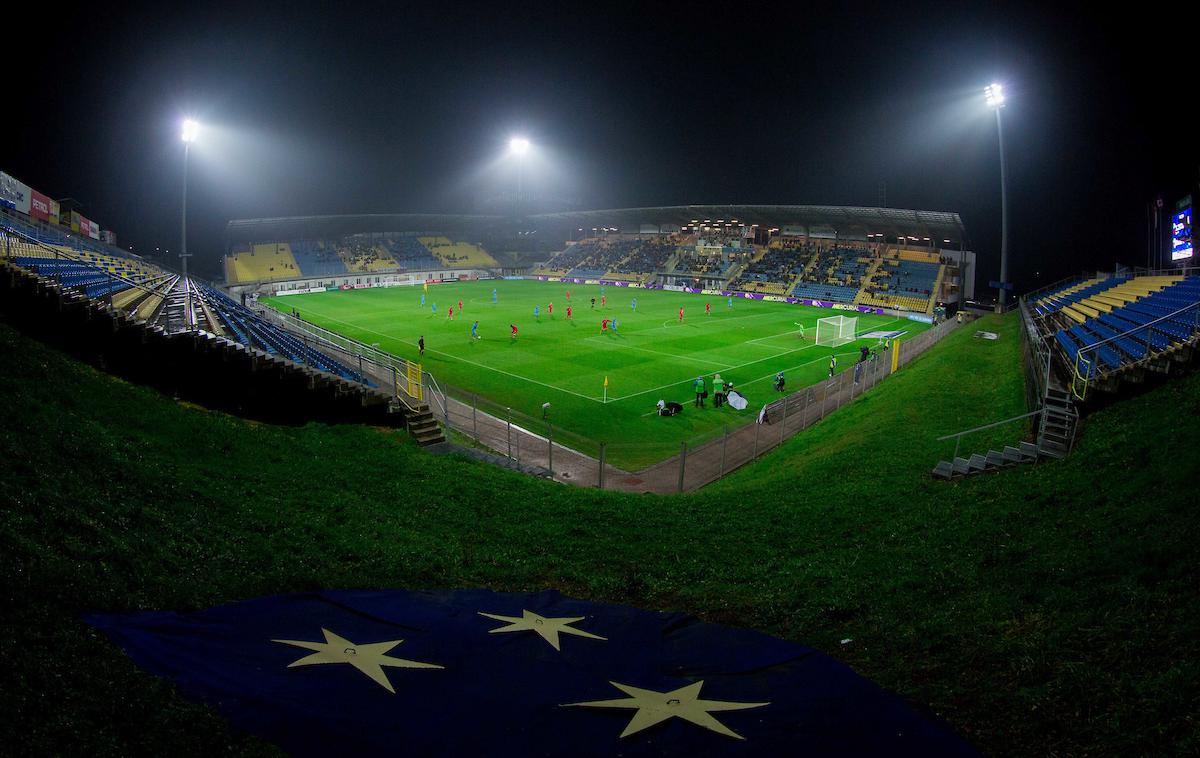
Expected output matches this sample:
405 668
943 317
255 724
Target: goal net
836 330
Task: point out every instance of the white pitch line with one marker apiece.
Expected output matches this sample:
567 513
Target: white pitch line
655 352
464 360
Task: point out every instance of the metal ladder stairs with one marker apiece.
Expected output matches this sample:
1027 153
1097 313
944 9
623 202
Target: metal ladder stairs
1056 427
1055 437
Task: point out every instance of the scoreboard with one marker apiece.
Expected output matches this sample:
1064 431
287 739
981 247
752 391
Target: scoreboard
1182 248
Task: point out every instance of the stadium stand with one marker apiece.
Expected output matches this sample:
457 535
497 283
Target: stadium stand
773 269
644 258
317 259
458 254
836 273
274 261
361 257
587 259
410 253
261 263
1105 326
250 329
148 293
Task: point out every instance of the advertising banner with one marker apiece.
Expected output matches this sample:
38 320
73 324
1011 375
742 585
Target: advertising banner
14 194
55 215
39 205
93 230
73 220
301 291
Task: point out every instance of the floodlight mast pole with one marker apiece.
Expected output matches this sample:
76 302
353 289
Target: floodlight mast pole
189 134
1003 211
994 94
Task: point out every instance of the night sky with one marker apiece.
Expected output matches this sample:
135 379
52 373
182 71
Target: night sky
398 107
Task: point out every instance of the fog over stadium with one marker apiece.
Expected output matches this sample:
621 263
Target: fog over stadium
395 109
604 380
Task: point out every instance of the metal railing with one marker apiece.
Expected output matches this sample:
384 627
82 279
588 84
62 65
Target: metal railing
385 369
1036 352
1087 366
957 436
8 232
1066 281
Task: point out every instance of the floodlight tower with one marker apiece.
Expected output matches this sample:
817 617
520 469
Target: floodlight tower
190 130
518 147
994 94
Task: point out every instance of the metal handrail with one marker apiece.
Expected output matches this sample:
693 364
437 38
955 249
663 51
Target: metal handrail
1032 296
1095 346
438 393
957 436
1185 272
62 254
379 359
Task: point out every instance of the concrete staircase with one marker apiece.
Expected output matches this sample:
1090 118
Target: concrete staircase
937 288
734 272
808 267
424 428
793 283
865 282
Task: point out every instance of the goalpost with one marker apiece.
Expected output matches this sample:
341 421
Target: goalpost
834 331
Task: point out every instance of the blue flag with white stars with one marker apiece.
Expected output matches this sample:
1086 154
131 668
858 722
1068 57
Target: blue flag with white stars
475 672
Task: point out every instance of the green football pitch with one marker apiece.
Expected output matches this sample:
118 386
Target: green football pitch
651 355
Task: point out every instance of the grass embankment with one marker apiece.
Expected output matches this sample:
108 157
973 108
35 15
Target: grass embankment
1046 610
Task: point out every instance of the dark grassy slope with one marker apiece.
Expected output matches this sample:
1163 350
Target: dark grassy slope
1042 611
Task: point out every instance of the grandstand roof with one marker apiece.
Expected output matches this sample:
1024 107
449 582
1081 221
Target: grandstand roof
846 220
320 227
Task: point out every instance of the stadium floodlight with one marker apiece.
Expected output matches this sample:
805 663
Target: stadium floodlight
190 130
994 94
518 147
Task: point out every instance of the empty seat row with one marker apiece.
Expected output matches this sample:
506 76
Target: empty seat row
1133 332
